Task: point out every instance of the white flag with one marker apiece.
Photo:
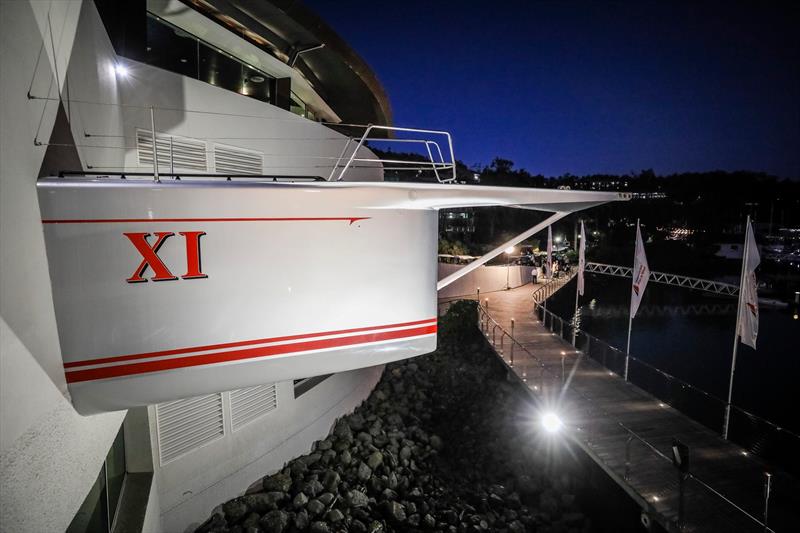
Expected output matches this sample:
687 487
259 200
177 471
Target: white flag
641 273
581 259
549 252
748 300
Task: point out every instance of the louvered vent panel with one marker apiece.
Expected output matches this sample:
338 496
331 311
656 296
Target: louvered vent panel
252 403
186 154
185 425
233 160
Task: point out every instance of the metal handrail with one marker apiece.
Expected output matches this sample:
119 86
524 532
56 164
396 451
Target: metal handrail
632 435
434 165
552 285
667 375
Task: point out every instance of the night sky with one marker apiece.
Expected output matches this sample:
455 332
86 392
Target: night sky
581 88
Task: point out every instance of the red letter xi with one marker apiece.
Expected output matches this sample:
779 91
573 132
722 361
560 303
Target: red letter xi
193 268
150 256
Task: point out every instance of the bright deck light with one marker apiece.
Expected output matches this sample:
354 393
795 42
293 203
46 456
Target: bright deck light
551 422
510 250
121 71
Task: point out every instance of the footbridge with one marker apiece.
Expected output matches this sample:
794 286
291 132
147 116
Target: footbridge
630 429
716 287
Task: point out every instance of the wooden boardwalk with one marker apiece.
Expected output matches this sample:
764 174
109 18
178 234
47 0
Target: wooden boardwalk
629 433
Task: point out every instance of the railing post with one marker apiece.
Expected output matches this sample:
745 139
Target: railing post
562 327
628 457
512 342
155 146
767 490
502 335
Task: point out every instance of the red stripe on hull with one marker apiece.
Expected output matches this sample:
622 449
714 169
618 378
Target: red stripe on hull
193 349
252 219
239 355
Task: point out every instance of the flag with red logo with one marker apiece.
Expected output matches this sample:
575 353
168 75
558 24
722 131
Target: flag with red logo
641 273
748 301
581 260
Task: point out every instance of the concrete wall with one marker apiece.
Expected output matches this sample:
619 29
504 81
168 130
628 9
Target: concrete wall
488 278
49 455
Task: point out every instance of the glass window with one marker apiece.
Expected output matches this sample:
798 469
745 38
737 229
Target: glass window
115 472
170 48
92 517
256 84
97 513
298 107
220 69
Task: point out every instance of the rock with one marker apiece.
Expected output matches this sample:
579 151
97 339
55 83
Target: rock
345 458
315 507
393 511
516 527
357 526
389 494
342 431
215 523
405 453
364 471
277 483
375 527
301 520
323 445
312 488
234 510
326 498
356 422
334 515
251 521
319 527
436 442
261 502
356 498
300 500
331 480
428 521
375 460
365 438
274 521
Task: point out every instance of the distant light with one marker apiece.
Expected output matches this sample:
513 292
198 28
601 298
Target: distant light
551 422
660 404
744 453
510 250
558 238
655 498
121 71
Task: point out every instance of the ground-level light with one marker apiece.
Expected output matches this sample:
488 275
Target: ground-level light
551 422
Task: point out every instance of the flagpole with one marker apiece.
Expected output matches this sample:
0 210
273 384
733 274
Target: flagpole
630 314
577 289
745 253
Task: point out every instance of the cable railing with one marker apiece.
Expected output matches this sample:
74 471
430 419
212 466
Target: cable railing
104 151
548 380
754 433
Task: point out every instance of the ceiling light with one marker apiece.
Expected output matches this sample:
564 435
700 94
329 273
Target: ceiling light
551 422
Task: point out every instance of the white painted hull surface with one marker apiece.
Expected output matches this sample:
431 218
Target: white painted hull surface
177 289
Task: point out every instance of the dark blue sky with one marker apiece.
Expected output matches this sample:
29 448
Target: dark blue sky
600 87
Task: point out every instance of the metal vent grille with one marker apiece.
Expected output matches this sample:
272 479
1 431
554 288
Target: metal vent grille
234 160
252 403
178 153
185 425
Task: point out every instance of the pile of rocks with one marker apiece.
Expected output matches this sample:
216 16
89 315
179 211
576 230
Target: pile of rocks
439 445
